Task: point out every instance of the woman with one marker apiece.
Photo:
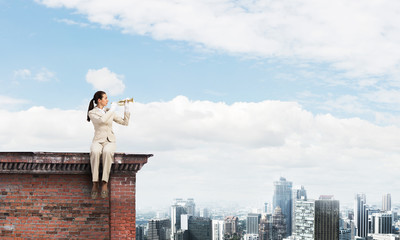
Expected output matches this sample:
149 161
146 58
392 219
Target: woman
104 139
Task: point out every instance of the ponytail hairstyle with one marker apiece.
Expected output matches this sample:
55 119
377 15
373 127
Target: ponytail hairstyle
98 95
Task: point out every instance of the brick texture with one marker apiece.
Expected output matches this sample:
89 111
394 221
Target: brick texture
51 207
47 196
122 206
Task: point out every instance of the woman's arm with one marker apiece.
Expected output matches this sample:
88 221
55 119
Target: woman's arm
123 121
96 118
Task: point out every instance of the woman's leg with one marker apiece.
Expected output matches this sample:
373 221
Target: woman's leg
95 152
108 159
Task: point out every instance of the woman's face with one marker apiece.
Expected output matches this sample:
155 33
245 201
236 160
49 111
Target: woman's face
103 101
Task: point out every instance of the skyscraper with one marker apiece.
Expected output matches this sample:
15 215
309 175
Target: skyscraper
382 222
159 229
361 215
199 228
283 200
176 212
252 221
180 207
278 225
387 202
265 227
217 230
265 207
139 232
204 212
326 219
304 220
190 207
298 194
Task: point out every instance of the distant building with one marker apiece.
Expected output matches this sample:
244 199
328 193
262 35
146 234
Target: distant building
180 207
382 223
317 219
304 219
385 236
283 200
387 202
159 229
265 227
190 206
199 228
252 221
176 212
251 237
231 225
218 230
278 225
361 215
327 219
181 235
204 213
298 194
140 232
345 234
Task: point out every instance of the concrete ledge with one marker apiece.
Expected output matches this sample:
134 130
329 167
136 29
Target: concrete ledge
65 163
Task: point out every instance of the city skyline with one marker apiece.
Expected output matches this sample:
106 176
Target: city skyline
322 218
229 97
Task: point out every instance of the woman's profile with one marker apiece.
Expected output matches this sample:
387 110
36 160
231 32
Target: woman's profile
103 143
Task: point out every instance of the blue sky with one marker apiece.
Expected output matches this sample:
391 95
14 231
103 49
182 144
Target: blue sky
35 37
308 87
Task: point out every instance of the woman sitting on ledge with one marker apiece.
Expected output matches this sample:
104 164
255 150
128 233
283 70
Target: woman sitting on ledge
104 139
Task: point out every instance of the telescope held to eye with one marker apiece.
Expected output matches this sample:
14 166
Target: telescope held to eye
122 102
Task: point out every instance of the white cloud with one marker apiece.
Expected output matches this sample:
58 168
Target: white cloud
360 37
22 73
41 75
11 103
105 80
44 75
72 22
215 152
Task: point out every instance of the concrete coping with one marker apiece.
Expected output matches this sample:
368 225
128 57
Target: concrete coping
65 162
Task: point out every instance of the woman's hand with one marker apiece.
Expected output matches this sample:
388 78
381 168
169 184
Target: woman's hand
113 106
126 105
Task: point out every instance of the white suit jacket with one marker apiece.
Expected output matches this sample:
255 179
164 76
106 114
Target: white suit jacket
103 124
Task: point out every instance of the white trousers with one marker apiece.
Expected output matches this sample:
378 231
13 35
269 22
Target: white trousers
107 150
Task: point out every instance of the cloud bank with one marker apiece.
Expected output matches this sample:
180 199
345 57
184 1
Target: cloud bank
361 38
217 152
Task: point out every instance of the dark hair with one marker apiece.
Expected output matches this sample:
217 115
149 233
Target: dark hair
98 95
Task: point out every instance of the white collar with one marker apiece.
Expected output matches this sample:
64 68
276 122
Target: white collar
101 110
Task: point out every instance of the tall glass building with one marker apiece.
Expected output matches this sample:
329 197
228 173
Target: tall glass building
283 199
199 228
326 219
361 215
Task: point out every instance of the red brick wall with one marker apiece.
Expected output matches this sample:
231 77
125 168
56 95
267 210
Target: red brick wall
122 215
51 207
46 195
